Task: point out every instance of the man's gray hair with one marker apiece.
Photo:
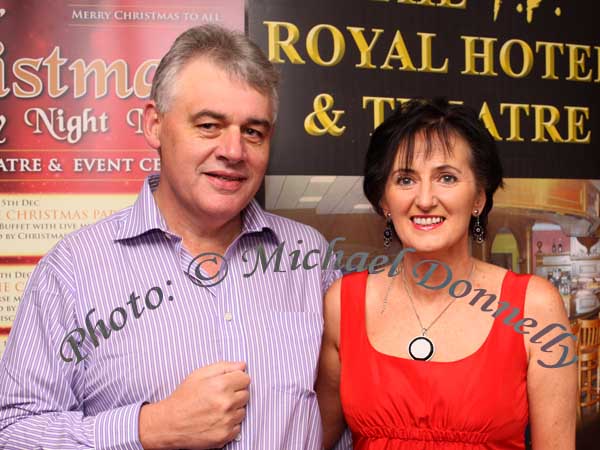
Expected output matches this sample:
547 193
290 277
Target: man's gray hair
230 50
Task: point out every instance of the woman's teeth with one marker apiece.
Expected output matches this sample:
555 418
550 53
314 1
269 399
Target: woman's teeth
427 220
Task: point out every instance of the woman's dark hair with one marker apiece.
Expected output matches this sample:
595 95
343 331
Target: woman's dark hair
436 120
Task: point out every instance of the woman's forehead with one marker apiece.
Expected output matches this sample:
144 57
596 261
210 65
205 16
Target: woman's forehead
432 146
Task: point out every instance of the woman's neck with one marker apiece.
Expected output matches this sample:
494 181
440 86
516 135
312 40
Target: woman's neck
430 275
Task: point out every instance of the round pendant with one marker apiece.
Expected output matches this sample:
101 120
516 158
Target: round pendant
421 348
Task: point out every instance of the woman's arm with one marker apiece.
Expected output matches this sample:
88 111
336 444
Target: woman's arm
328 380
552 391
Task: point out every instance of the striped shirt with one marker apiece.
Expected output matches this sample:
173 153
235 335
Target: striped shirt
150 325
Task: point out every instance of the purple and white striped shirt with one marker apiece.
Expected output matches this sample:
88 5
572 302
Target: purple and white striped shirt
271 320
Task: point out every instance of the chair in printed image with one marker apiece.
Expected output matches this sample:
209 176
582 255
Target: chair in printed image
588 345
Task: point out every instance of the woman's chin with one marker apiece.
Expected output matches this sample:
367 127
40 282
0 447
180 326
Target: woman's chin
427 247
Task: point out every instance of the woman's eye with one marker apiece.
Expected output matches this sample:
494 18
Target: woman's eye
404 181
448 179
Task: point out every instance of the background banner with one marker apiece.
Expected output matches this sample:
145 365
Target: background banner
531 68
73 79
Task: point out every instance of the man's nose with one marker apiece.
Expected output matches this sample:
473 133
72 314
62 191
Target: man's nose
231 146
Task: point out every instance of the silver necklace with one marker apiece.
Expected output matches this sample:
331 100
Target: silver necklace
420 348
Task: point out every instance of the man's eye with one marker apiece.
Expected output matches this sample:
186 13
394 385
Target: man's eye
207 126
253 134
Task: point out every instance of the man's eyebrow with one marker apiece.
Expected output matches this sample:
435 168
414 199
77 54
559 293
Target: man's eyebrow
251 121
208 113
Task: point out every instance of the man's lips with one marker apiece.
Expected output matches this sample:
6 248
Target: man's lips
427 222
228 181
226 176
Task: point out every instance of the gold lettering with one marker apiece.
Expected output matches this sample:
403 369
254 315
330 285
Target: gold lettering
276 44
549 50
399 51
486 117
505 58
417 2
312 45
102 73
487 56
141 84
575 118
27 77
543 125
460 4
364 48
378 108
515 119
597 80
577 54
4 91
53 62
426 64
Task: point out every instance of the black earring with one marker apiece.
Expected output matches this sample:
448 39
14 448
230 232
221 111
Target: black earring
478 231
388 232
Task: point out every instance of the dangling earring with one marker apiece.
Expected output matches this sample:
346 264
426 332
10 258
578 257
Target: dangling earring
388 231
478 232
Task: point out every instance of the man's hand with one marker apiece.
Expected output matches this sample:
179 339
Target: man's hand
205 411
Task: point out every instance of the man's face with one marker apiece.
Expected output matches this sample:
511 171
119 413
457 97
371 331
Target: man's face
214 143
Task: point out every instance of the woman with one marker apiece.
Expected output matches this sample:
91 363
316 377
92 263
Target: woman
407 366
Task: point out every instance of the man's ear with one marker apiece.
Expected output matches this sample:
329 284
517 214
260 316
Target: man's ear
152 122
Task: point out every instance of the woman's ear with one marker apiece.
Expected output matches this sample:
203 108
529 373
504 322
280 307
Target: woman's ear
151 124
480 201
383 204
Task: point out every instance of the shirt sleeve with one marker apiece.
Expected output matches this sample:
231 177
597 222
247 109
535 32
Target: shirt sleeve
345 442
41 394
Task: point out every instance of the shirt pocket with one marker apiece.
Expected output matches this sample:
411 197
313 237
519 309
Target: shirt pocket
286 350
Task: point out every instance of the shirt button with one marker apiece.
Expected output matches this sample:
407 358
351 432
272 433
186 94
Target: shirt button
228 316
238 438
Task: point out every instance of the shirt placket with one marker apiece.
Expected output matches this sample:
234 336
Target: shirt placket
230 315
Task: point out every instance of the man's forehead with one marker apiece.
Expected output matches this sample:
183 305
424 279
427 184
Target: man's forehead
201 76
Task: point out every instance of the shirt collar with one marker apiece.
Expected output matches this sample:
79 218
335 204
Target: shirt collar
145 216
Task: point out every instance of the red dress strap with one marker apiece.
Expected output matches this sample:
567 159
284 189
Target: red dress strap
514 289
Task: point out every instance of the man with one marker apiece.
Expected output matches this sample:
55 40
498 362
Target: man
120 342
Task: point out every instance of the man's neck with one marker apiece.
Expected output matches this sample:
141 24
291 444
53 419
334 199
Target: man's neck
200 234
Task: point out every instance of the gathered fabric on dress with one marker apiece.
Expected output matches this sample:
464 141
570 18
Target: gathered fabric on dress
477 402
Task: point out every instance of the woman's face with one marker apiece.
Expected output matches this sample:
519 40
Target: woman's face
431 202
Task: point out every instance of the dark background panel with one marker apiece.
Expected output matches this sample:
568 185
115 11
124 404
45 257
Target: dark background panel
296 152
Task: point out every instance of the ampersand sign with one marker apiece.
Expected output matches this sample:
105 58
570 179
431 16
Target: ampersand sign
321 105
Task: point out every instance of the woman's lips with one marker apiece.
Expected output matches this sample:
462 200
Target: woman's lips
427 223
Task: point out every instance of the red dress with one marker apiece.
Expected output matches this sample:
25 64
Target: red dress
478 402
